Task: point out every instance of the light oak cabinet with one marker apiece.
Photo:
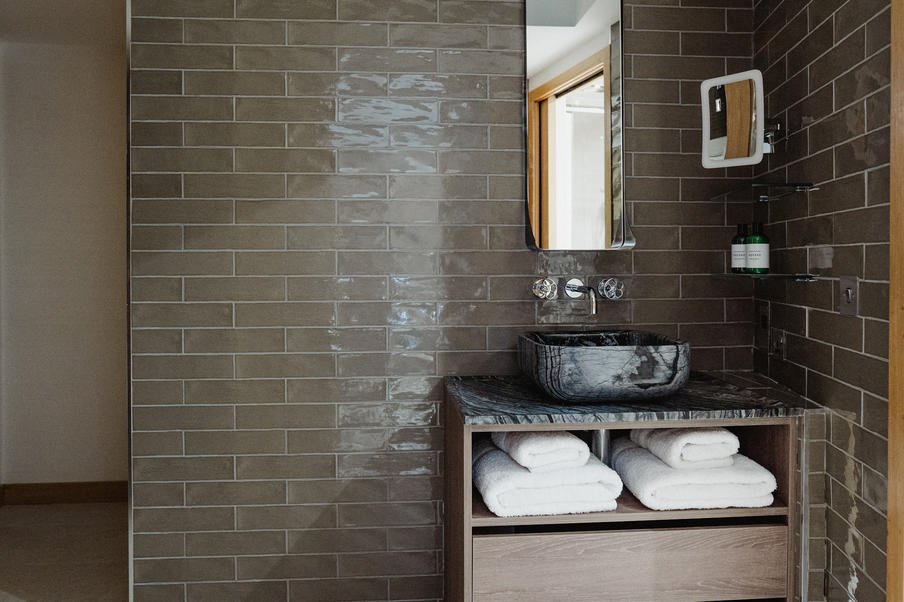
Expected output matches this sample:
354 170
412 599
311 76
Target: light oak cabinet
632 553
724 563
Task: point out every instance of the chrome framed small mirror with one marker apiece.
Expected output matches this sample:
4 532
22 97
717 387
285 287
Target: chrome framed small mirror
574 126
734 118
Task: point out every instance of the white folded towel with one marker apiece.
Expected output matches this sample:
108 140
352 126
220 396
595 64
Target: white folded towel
690 447
543 451
509 489
744 484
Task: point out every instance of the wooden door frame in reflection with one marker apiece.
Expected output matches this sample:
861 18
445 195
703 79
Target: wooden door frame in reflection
538 175
739 106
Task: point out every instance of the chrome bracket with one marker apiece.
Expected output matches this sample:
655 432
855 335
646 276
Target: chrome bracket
771 131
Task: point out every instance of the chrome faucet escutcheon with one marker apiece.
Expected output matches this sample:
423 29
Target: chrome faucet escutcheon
575 289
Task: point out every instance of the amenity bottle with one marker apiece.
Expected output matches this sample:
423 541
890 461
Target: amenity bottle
757 251
739 250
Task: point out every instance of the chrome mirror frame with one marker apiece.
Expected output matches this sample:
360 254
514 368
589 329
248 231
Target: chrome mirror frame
622 237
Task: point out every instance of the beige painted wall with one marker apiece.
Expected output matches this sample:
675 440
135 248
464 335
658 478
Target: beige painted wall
63 410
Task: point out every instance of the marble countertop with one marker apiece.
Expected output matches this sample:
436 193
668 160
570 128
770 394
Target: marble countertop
490 400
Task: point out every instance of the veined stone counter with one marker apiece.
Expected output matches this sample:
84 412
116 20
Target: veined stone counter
493 400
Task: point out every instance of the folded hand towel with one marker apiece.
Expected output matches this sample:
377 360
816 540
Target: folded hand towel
543 451
744 484
690 447
509 489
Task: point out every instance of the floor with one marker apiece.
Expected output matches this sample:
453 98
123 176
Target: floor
64 553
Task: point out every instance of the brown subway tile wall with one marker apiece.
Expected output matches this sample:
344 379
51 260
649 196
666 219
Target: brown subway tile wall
828 63
328 217
681 232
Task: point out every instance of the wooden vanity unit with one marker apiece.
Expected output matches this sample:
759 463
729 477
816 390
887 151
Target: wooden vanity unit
632 553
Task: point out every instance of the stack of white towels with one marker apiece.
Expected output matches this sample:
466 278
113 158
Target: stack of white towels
538 473
675 469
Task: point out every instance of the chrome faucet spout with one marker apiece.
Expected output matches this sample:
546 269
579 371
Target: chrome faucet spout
580 289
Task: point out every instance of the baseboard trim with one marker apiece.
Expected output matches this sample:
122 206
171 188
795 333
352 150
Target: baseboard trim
64 493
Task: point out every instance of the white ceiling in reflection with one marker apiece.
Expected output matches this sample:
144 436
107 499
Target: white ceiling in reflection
557 13
571 31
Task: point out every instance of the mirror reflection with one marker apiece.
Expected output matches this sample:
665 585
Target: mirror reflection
574 124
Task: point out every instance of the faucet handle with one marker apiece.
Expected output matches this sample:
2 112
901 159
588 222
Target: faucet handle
612 288
545 288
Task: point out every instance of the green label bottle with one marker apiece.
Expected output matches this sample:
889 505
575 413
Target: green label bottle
757 251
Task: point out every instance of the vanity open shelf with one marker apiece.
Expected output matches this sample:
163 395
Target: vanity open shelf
632 552
629 510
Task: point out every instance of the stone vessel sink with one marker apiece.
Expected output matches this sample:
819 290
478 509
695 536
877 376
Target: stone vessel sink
604 365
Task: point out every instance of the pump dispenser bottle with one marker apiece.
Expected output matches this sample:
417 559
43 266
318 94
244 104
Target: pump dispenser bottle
739 250
757 251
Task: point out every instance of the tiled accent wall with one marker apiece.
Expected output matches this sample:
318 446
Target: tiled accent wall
682 234
827 72
327 217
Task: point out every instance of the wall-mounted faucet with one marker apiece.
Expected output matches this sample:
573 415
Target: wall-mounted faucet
608 288
575 289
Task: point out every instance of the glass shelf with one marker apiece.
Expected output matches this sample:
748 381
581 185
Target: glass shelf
765 192
773 276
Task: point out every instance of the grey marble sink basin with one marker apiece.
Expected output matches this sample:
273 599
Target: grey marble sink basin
604 365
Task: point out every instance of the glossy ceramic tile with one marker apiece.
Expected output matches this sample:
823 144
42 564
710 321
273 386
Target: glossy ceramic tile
840 108
328 219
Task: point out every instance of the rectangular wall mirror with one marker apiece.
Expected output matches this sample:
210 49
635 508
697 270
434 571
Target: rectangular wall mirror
733 120
574 125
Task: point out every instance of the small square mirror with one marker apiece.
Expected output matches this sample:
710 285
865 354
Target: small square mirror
733 120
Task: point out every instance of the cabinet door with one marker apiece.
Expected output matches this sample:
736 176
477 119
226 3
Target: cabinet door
713 563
